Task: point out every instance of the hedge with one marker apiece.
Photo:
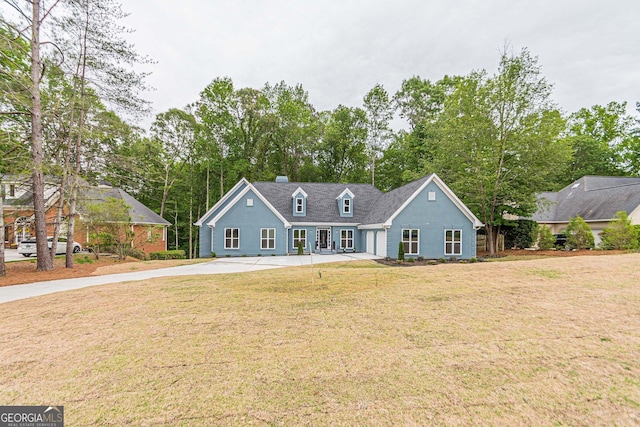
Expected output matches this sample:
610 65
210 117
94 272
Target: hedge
164 255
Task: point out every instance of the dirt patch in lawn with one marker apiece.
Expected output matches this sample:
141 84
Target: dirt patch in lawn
21 272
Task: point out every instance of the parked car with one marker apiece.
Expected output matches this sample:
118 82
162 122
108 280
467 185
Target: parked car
561 241
28 247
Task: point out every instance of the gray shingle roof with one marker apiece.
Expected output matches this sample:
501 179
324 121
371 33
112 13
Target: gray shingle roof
591 197
390 202
370 205
140 214
322 206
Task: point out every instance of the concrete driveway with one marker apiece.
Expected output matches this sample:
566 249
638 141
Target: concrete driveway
215 266
12 255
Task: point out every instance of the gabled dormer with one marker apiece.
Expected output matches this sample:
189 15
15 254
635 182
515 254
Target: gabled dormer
345 203
299 202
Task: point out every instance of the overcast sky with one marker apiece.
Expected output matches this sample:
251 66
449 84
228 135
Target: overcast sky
339 49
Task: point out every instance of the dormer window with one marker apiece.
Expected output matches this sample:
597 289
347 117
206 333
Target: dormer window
299 202
345 203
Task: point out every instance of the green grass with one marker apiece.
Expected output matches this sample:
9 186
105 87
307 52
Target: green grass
510 343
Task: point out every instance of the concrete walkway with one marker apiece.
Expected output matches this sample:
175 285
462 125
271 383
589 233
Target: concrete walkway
216 266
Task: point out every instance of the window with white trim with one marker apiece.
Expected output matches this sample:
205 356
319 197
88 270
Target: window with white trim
231 238
267 238
346 206
410 240
346 239
299 205
299 235
453 242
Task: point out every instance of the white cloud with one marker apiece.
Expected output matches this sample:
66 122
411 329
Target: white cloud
339 49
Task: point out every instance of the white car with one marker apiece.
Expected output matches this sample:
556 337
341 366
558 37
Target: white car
28 247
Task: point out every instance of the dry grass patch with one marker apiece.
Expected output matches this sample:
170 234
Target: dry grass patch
537 342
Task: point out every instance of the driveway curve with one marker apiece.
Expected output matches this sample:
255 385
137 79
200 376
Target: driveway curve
215 266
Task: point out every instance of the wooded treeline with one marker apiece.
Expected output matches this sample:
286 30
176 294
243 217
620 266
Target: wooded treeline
495 139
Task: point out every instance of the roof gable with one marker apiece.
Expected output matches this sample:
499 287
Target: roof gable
240 196
346 192
227 196
299 191
397 200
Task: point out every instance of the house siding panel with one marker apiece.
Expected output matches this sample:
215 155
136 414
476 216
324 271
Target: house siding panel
432 218
204 238
245 218
311 239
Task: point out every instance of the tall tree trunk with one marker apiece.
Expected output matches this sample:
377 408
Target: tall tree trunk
44 262
73 202
165 188
491 239
373 168
206 206
191 211
58 219
221 180
175 222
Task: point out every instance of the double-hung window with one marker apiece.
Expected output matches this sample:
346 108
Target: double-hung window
346 239
299 205
453 242
231 238
267 238
410 240
346 206
299 236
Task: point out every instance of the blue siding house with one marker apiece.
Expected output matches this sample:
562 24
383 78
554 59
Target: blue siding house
267 218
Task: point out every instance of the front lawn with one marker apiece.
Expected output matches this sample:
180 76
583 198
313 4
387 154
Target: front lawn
537 342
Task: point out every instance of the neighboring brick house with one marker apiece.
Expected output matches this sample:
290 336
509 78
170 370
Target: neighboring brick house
149 228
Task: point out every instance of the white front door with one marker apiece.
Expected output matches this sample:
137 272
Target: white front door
381 246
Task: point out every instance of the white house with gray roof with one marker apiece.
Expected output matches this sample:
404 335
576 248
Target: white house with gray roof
594 198
267 218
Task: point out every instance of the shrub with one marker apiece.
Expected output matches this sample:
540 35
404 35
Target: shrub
546 239
165 255
137 253
473 260
400 251
300 248
410 259
213 255
579 235
84 259
522 234
619 234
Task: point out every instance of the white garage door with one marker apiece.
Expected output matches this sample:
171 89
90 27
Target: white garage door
370 242
381 247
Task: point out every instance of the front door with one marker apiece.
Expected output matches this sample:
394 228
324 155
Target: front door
324 238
